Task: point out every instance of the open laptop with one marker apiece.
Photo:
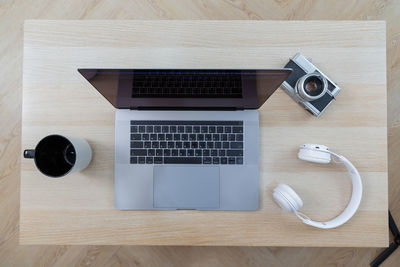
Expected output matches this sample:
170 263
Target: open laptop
186 138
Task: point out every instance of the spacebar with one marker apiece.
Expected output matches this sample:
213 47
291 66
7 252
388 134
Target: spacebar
177 160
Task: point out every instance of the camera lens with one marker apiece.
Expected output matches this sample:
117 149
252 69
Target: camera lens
311 86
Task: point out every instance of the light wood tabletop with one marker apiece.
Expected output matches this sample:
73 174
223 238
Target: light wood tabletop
79 208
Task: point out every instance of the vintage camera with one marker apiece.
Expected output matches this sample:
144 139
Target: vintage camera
308 86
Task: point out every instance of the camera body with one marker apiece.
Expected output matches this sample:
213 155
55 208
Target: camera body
308 86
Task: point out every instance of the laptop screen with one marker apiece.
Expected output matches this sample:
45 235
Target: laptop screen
185 88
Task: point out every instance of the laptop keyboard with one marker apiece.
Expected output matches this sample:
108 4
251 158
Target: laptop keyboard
187 142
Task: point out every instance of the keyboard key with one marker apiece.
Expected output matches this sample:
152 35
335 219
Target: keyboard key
225 145
235 152
174 152
217 144
136 137
142 129
163 144
165 129
151 152
184 137
161 137
200 137
192 137
236 145
147 144
178 160
239 160
194 145
142 160
145 137
149 160
215 137
182 152
231 137
190 153
214 152
155 144
224 137
231 160
204 129
137 144
220 129
153 137
157 129
221 153
211 129
178 145
223 160
170 144
177 137
228 129
159 152
239 137
198 153
188 129
202 144
196 129
237 129
181 129
172 129
149 129
215 160
206 153
186 144
134 129
206 160
158 160
138 152
168 137
134 160
210 144
167 152
207 137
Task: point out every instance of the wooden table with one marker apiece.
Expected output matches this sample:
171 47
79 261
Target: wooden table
79 208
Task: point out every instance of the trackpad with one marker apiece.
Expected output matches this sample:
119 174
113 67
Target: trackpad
186 187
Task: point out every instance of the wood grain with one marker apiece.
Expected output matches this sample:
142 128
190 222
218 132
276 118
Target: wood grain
61 211
12 14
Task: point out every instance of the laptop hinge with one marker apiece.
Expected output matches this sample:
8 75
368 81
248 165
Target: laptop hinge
184 108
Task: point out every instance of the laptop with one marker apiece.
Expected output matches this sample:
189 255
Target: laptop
186 138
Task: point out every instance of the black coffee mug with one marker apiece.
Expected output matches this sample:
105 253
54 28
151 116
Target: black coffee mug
57 155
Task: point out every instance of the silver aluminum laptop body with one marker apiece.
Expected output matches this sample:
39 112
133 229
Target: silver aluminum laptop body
229 187
157 185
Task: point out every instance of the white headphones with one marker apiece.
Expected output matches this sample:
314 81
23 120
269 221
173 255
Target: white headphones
290 201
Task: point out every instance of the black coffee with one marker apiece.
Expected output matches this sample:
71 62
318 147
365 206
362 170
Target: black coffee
54 155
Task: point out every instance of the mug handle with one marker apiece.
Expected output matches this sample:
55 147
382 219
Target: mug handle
29 153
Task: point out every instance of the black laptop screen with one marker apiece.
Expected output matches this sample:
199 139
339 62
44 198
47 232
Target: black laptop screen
185 88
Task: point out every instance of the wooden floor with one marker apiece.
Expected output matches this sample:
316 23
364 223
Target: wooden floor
12 15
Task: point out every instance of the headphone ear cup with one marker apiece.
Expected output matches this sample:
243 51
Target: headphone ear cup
287 198
282 202
314 155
